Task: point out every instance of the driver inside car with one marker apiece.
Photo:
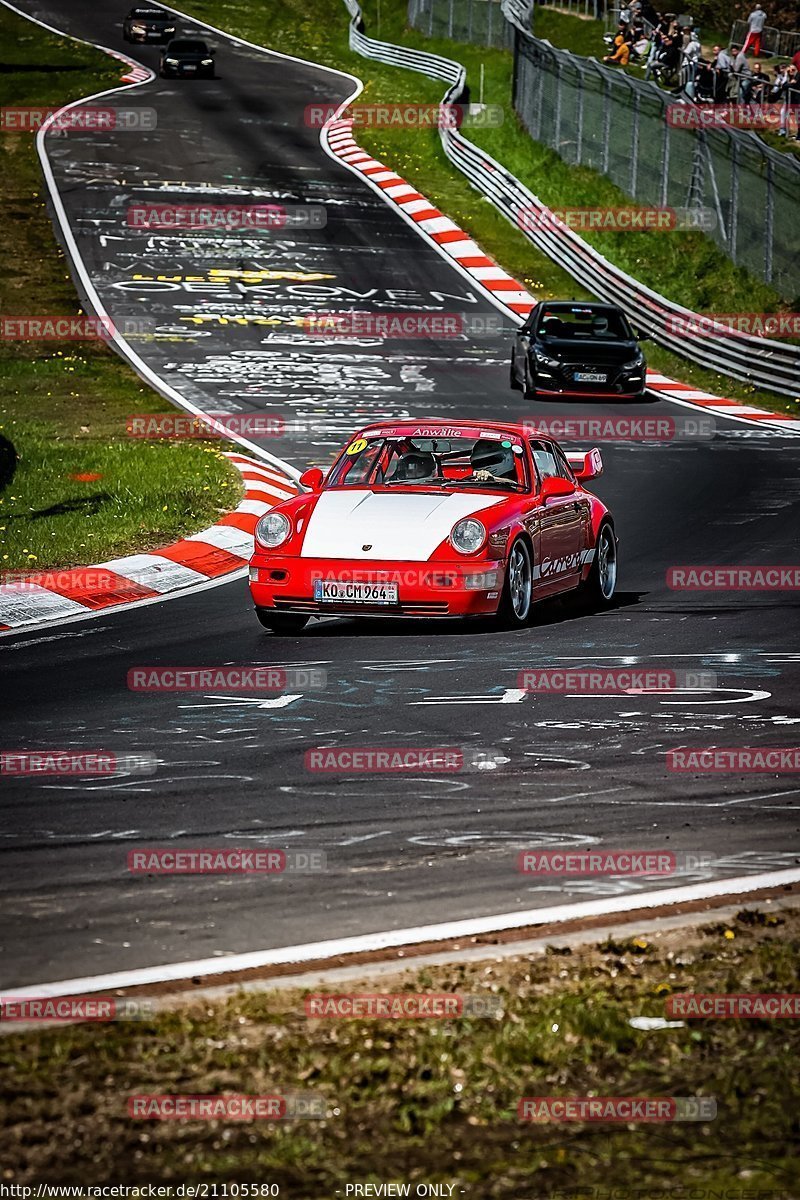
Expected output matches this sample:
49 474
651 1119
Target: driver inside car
493 462
415 466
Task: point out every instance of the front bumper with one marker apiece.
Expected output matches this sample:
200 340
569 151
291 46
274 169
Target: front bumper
149 36
187 71
425 589
560 381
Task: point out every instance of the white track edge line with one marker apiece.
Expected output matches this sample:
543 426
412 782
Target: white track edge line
446 930
124 348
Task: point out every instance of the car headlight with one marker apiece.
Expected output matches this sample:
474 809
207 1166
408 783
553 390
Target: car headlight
171 29
171 62
207 62
273 529
468 535
633 364
545 360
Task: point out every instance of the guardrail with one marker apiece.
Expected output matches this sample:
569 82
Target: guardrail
764 363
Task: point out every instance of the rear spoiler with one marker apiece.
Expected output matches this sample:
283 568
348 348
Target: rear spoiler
585 464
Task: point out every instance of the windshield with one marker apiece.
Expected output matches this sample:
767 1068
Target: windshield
584 324
486 460
188 48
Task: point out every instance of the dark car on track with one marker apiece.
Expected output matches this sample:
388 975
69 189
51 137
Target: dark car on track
148 25
186 57
570 349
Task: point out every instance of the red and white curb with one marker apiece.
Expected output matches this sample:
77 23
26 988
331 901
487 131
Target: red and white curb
220 550
505 291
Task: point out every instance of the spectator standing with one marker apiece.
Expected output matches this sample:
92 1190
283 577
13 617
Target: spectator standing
796 59
755 25
787 91
742 74
722 64
760 85
779 94
692 53
793 101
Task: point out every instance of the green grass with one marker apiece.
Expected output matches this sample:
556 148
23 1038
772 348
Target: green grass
686 267
64 406
435 1100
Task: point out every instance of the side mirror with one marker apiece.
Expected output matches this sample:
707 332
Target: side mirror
587 466
555 485
312 479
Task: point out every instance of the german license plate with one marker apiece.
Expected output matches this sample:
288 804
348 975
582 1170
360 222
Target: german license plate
188 68
589 377
332 591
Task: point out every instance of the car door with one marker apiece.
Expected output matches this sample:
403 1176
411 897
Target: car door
561 524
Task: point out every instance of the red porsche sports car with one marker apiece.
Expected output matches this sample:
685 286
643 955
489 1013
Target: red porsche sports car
436 519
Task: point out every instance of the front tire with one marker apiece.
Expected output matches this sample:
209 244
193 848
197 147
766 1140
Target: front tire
599 589
514 383
281 622
515 603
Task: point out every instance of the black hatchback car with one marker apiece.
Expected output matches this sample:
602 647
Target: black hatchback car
186 57
570 349
148 25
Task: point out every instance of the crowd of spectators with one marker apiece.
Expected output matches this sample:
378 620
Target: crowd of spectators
671 54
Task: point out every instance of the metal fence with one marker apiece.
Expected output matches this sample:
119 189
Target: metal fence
578 8
776 41
478 21
628 130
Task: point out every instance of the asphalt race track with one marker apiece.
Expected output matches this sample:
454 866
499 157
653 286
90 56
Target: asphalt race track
572 770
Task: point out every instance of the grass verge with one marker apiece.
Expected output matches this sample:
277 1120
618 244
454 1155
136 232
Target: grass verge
436 1100
684 266
64 405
